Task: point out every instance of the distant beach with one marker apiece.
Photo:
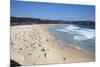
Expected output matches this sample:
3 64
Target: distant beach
35 44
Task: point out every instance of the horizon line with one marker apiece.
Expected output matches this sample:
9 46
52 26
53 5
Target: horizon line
51 19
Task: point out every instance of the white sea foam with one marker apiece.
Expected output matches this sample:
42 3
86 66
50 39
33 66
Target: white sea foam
79 33
71 27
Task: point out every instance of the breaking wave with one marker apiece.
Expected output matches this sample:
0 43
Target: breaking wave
78 32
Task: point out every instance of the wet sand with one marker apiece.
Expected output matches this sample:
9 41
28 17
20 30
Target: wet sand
33 44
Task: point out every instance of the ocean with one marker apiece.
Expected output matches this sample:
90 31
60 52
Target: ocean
80 36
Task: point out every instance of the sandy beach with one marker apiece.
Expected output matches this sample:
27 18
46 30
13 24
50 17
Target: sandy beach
34 44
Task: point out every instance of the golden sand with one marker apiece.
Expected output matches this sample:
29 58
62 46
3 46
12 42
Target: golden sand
33 44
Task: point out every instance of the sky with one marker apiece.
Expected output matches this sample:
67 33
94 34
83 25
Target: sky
53 11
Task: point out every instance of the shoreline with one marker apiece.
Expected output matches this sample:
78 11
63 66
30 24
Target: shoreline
63 43
75 45
46 49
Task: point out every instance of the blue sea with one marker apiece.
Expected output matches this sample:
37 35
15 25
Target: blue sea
80 36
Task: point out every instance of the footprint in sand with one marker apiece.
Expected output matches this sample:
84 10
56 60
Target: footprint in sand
43 49
64 59
39 56
47 40
20 49
29 54
26 46
45 55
